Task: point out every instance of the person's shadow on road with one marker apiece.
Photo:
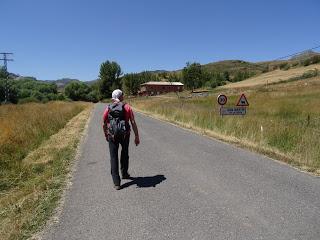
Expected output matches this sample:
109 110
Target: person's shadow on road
145 182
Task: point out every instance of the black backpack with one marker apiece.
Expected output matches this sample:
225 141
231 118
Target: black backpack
118 127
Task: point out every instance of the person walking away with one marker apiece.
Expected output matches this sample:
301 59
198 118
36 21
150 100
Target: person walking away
116 128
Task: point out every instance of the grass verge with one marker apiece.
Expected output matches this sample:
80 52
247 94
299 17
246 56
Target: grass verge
283 120
34 183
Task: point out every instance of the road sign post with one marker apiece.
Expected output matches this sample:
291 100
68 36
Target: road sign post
239 110
222 99
243 102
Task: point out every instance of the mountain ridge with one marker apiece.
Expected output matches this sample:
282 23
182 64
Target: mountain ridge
230 66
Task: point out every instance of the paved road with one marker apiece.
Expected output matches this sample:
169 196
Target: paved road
187 187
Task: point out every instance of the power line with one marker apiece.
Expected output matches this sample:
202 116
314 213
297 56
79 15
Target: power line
5 60
297 53
287 56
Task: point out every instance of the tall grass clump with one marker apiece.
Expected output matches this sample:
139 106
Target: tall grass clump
22 128
282 120
36 149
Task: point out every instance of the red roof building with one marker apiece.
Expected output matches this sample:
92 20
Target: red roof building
156 88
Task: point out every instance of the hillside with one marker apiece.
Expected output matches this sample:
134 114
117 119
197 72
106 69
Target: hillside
90 83
272 77
305 55
238 65
61 83
233 66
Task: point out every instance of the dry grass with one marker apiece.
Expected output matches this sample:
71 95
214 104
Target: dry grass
31 183
24 127
277 122
271 77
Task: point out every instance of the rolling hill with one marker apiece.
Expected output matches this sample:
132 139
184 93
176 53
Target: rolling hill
235 66
273 77
292 65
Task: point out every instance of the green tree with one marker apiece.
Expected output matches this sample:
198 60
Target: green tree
48 88
192 75
242 75
174 77
92 96
163 75
214 79
39 96
226 76
131 83
109 78
77 91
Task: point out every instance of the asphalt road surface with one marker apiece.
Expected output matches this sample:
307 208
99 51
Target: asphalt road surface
186 186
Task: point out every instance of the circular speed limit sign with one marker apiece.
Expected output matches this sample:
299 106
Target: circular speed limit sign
222 99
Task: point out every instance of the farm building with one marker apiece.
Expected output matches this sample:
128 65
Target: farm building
156 88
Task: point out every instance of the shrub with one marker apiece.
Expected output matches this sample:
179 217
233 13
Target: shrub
284 66
77 91
92 96
315 59
306 62
27 100
305 75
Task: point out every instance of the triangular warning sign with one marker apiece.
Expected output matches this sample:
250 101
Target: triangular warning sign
243 102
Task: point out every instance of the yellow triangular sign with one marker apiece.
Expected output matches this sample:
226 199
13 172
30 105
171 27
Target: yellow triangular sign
243 102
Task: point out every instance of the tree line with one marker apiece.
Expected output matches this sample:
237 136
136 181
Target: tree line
28 89
193 75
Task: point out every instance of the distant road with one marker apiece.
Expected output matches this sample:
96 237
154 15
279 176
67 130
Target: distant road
186 186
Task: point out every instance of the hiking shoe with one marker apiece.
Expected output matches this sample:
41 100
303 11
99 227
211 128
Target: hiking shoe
117 187
126 176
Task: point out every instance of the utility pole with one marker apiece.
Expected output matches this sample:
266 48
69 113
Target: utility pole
5 60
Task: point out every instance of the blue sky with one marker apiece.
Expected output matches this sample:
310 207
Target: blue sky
64 38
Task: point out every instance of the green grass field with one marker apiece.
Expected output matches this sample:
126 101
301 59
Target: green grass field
283 120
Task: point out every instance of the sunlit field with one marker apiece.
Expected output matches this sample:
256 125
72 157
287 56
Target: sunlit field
283 120
29 190
24 127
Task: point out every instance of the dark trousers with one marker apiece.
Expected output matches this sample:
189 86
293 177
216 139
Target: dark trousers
114 159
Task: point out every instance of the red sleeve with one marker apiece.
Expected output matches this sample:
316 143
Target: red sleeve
105 115
129 112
